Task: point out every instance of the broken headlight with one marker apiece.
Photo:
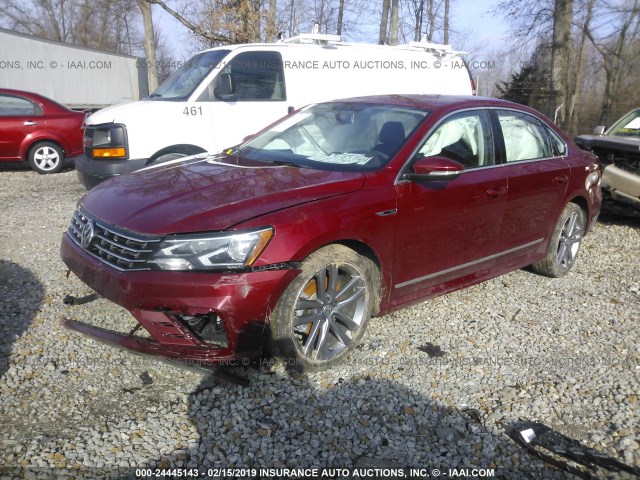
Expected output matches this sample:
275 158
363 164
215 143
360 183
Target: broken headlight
218 251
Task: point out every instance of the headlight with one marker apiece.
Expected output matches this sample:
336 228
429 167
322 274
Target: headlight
106 141
219 251
592 179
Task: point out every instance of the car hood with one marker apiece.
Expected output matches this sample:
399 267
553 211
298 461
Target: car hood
628 144
116 113
199 194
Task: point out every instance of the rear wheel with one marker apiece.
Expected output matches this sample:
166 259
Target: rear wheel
565 243
46 157
325 310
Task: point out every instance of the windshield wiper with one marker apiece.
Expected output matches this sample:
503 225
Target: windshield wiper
283 163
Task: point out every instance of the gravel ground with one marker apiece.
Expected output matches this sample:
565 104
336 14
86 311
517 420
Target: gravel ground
562 352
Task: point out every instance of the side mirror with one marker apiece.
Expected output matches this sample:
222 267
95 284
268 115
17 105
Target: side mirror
434 169
599 130
224 89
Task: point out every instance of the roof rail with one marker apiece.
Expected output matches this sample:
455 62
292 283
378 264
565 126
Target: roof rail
316 38
436 48
430 46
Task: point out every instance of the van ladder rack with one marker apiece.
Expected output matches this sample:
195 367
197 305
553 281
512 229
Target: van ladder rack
436 48
317 38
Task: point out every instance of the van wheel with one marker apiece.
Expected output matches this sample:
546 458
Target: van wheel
325 310
46 157
174 153
564 244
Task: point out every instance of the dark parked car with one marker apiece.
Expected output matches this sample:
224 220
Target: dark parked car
341 211
619 151
38 130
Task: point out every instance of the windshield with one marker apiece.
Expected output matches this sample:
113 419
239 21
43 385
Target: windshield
628 126
339 136
184 81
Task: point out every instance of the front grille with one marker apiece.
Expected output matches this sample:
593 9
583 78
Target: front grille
122 251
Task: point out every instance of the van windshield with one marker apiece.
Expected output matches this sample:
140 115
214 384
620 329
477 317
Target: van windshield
628 126
184 81
340 136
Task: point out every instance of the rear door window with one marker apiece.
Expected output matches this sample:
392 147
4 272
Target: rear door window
12 106
526 137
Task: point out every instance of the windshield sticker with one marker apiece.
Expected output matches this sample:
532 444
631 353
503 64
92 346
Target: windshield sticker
633 124
343 158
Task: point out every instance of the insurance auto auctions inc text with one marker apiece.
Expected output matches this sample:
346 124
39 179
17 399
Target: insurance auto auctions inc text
279 473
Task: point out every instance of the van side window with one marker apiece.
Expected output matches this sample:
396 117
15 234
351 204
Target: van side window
525 137
256 76
464 137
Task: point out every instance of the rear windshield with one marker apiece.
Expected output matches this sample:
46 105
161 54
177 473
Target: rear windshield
338 136
181 84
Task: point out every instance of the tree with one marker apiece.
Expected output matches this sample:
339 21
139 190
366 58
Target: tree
389 26
149 44
529 86
220 22
615 50
446 22
393 36
271 29
101 24
418 14
578 72
384 19
560 53
340 17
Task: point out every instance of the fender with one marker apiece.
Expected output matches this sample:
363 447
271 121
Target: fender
42 136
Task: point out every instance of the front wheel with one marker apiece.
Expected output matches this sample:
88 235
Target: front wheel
325 310
46 157
564 244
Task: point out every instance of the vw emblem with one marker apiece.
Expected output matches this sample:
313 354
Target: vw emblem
87 235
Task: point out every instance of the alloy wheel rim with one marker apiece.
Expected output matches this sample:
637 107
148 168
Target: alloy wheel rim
46 158
569 241
329 312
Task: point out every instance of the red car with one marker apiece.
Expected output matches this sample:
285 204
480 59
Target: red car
341 211
36 129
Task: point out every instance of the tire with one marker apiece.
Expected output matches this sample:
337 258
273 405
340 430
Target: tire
46 157
564 244
313 327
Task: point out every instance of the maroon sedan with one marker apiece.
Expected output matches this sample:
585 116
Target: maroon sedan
36 129
341 211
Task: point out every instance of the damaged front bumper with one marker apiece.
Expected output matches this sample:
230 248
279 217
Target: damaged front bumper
193 356
198 319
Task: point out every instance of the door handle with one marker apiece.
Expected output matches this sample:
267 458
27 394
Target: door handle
29 123
496 192
561 180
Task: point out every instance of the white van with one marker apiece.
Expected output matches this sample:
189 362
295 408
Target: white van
224 94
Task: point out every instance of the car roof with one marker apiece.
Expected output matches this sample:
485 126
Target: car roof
434 102
22 93
36 97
